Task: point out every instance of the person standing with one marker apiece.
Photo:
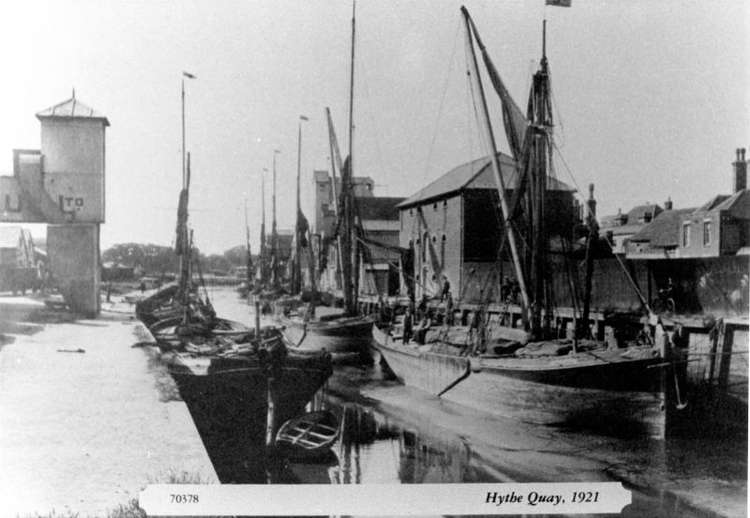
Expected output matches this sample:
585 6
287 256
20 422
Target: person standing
420 332
446 289
408 326
449 316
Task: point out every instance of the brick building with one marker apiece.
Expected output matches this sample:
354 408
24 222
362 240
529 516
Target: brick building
453 228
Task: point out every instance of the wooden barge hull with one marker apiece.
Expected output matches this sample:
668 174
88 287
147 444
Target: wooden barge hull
351 336
229 405
620 399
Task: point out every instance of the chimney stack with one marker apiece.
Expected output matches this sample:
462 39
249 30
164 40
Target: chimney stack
591 204
740 171
668 204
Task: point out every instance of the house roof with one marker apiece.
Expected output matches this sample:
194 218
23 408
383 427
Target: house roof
737 204
380 208
639 211
72 109
713 203
664 230
476 174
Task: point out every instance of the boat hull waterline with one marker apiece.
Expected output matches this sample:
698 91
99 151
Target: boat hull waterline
340 336
620 397
228 401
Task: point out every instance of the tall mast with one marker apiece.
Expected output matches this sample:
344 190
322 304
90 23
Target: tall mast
296 281
540 115
186 245
183 132
496 168
263 257
297 272
274 236
249 261
349 192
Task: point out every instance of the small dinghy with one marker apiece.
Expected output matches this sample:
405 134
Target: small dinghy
309 436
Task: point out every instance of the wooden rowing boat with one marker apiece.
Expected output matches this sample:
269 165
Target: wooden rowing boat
308 436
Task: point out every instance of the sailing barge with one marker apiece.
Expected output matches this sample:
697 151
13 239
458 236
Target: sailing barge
347 333
238 383
536 377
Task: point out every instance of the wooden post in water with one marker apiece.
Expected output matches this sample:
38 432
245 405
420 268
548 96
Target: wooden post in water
271 412
257 320
725 356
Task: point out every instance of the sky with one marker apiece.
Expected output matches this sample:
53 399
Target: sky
651 98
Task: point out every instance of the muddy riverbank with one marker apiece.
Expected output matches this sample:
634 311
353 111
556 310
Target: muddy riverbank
83 432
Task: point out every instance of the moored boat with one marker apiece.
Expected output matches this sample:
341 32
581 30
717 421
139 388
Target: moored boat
346 334
309 436
228 387
340 335
238 383
617 386
609 390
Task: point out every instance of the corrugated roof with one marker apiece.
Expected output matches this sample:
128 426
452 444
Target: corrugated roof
72 108
9 237
378 207
476 174
664 231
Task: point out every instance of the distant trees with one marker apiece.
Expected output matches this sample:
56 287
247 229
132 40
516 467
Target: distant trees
157 259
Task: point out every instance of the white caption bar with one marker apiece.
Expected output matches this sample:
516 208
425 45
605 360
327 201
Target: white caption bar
384 500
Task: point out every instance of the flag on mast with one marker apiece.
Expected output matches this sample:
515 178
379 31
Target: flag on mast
191 76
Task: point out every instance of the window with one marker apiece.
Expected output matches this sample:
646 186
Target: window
686 234
707 232
9 206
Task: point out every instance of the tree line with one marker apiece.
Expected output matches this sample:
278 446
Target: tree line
158 259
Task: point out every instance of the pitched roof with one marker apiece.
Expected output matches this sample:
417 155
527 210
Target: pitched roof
378 208
71 109
638 212
476 174
664 230
713 203
738 204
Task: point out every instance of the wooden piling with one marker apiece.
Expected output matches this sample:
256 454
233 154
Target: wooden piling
271 411
257 319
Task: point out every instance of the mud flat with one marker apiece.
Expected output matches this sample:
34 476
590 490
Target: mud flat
86 420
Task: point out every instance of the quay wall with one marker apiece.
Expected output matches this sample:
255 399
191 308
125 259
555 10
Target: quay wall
716 286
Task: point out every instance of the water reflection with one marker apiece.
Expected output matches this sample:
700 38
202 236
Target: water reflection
401 437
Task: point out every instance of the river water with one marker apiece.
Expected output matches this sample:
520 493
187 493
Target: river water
395 434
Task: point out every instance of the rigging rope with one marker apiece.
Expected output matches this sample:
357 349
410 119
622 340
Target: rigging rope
632 282
442 98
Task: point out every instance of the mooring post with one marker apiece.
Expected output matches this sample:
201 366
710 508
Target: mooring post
257 320
725 356
271 412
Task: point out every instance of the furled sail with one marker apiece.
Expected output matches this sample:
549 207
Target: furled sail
182 217
514 120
